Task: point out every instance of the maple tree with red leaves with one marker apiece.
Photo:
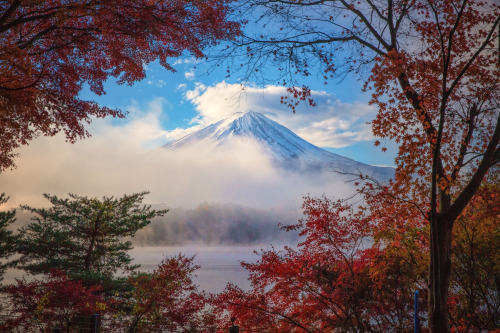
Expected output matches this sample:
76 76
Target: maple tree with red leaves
433 68
50 49
55 302
167 300
345 276
357 269
475 300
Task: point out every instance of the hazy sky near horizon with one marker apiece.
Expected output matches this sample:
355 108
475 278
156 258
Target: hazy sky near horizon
122 156
115 162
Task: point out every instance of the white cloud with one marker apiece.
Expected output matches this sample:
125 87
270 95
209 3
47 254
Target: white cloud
142 126
190 75
158 83
179 132
332 123
190 60
181 86
118 159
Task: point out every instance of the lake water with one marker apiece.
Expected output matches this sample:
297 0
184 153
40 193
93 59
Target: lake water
219 265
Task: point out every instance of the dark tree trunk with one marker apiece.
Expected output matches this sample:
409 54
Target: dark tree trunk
440 266
439 275
93 239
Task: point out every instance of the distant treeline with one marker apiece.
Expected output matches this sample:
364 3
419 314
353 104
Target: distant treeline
216 223
210 223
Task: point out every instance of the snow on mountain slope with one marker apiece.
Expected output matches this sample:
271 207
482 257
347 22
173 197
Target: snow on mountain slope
284 147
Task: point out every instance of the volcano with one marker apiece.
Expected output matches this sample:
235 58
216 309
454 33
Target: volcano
286 149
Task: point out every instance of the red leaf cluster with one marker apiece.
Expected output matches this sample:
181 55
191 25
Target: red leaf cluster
167 299
339 278
52 303
50 49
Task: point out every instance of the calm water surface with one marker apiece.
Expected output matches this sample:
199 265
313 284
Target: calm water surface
219 265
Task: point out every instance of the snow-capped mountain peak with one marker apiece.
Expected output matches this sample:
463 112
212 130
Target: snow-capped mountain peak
286 148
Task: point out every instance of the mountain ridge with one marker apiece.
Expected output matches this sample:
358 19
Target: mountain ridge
283 146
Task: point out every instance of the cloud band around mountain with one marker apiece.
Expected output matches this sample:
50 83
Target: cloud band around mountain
114 161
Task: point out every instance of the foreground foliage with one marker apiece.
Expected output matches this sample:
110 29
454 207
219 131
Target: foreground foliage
165 300
50 49
55 302
77 249
338 279
475 285
8 239
357 269
84 237
434 72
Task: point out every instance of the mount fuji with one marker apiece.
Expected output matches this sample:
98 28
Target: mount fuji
286 149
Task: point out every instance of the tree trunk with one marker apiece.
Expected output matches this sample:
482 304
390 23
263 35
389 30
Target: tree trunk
93 238
439 274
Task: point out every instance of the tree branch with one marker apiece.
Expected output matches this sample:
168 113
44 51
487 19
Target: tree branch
489 157
9 11
465 143
367 24
475 55
272 312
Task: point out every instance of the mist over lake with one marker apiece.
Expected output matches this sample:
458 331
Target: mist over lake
219 235
219 264
216 224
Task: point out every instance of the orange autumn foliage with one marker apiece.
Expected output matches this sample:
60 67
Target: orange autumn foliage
50 49
346 275
433 68
475 301
356 270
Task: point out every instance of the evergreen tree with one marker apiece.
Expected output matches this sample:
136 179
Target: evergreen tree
85 237
7 237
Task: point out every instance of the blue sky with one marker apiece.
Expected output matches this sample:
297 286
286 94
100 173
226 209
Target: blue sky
191 98
122 156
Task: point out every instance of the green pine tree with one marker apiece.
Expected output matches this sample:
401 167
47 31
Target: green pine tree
7 237
85 237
